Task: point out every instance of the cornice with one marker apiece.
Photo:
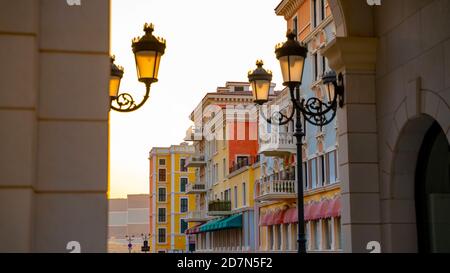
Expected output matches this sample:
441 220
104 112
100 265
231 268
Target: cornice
288 8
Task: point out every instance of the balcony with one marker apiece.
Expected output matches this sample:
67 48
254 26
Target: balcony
275 190
241 164
193 134
196 188
277 144
196 161
219 208
197 216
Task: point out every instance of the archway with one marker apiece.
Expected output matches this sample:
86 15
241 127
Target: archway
433 192
420 161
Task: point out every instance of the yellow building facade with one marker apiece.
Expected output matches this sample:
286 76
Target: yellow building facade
169 202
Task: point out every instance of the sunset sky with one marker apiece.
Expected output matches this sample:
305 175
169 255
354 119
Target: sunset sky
209 42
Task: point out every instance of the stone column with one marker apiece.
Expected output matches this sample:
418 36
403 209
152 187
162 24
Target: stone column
355 58
54 108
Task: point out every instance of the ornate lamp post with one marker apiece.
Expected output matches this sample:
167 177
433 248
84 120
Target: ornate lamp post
291 56
147 50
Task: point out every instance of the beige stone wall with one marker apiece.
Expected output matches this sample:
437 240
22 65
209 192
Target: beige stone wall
54 116
396 62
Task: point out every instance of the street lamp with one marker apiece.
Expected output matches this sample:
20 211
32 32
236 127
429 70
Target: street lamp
130 240
260 80
147 50
291 56
145 248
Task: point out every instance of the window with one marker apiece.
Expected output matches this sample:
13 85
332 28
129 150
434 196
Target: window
161 194
183 184
295 26
238 88
227 195
322 10
183 205
217 171
317 233
235 197
161 235
242 161
313 173
305 175
162 175
327 229
224 165
318 12
323 65
332 167
321 171
183 226
162 162
183 167
315 66
244 194
337 223
161 215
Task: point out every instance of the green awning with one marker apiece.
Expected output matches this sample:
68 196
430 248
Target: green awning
209 226
231 222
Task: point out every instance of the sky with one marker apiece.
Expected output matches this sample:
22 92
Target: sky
209 42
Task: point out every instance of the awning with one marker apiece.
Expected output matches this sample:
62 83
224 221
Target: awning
264 219
209 226
276 218
193 230
334 207
231 222
323 210
290 216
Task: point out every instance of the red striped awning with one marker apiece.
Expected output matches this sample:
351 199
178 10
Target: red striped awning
193 230
322 212
264 219
334 208
290 216
277 218
312 212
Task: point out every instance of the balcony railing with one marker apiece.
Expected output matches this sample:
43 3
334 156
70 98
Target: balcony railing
197 216
235 166
219 207
196 161
277 144
195 188
268 190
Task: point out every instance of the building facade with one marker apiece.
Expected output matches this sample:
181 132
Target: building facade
276 189
226 141
169 201
128 217
54 113
396 67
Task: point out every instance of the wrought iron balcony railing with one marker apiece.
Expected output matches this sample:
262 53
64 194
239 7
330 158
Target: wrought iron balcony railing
219 207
